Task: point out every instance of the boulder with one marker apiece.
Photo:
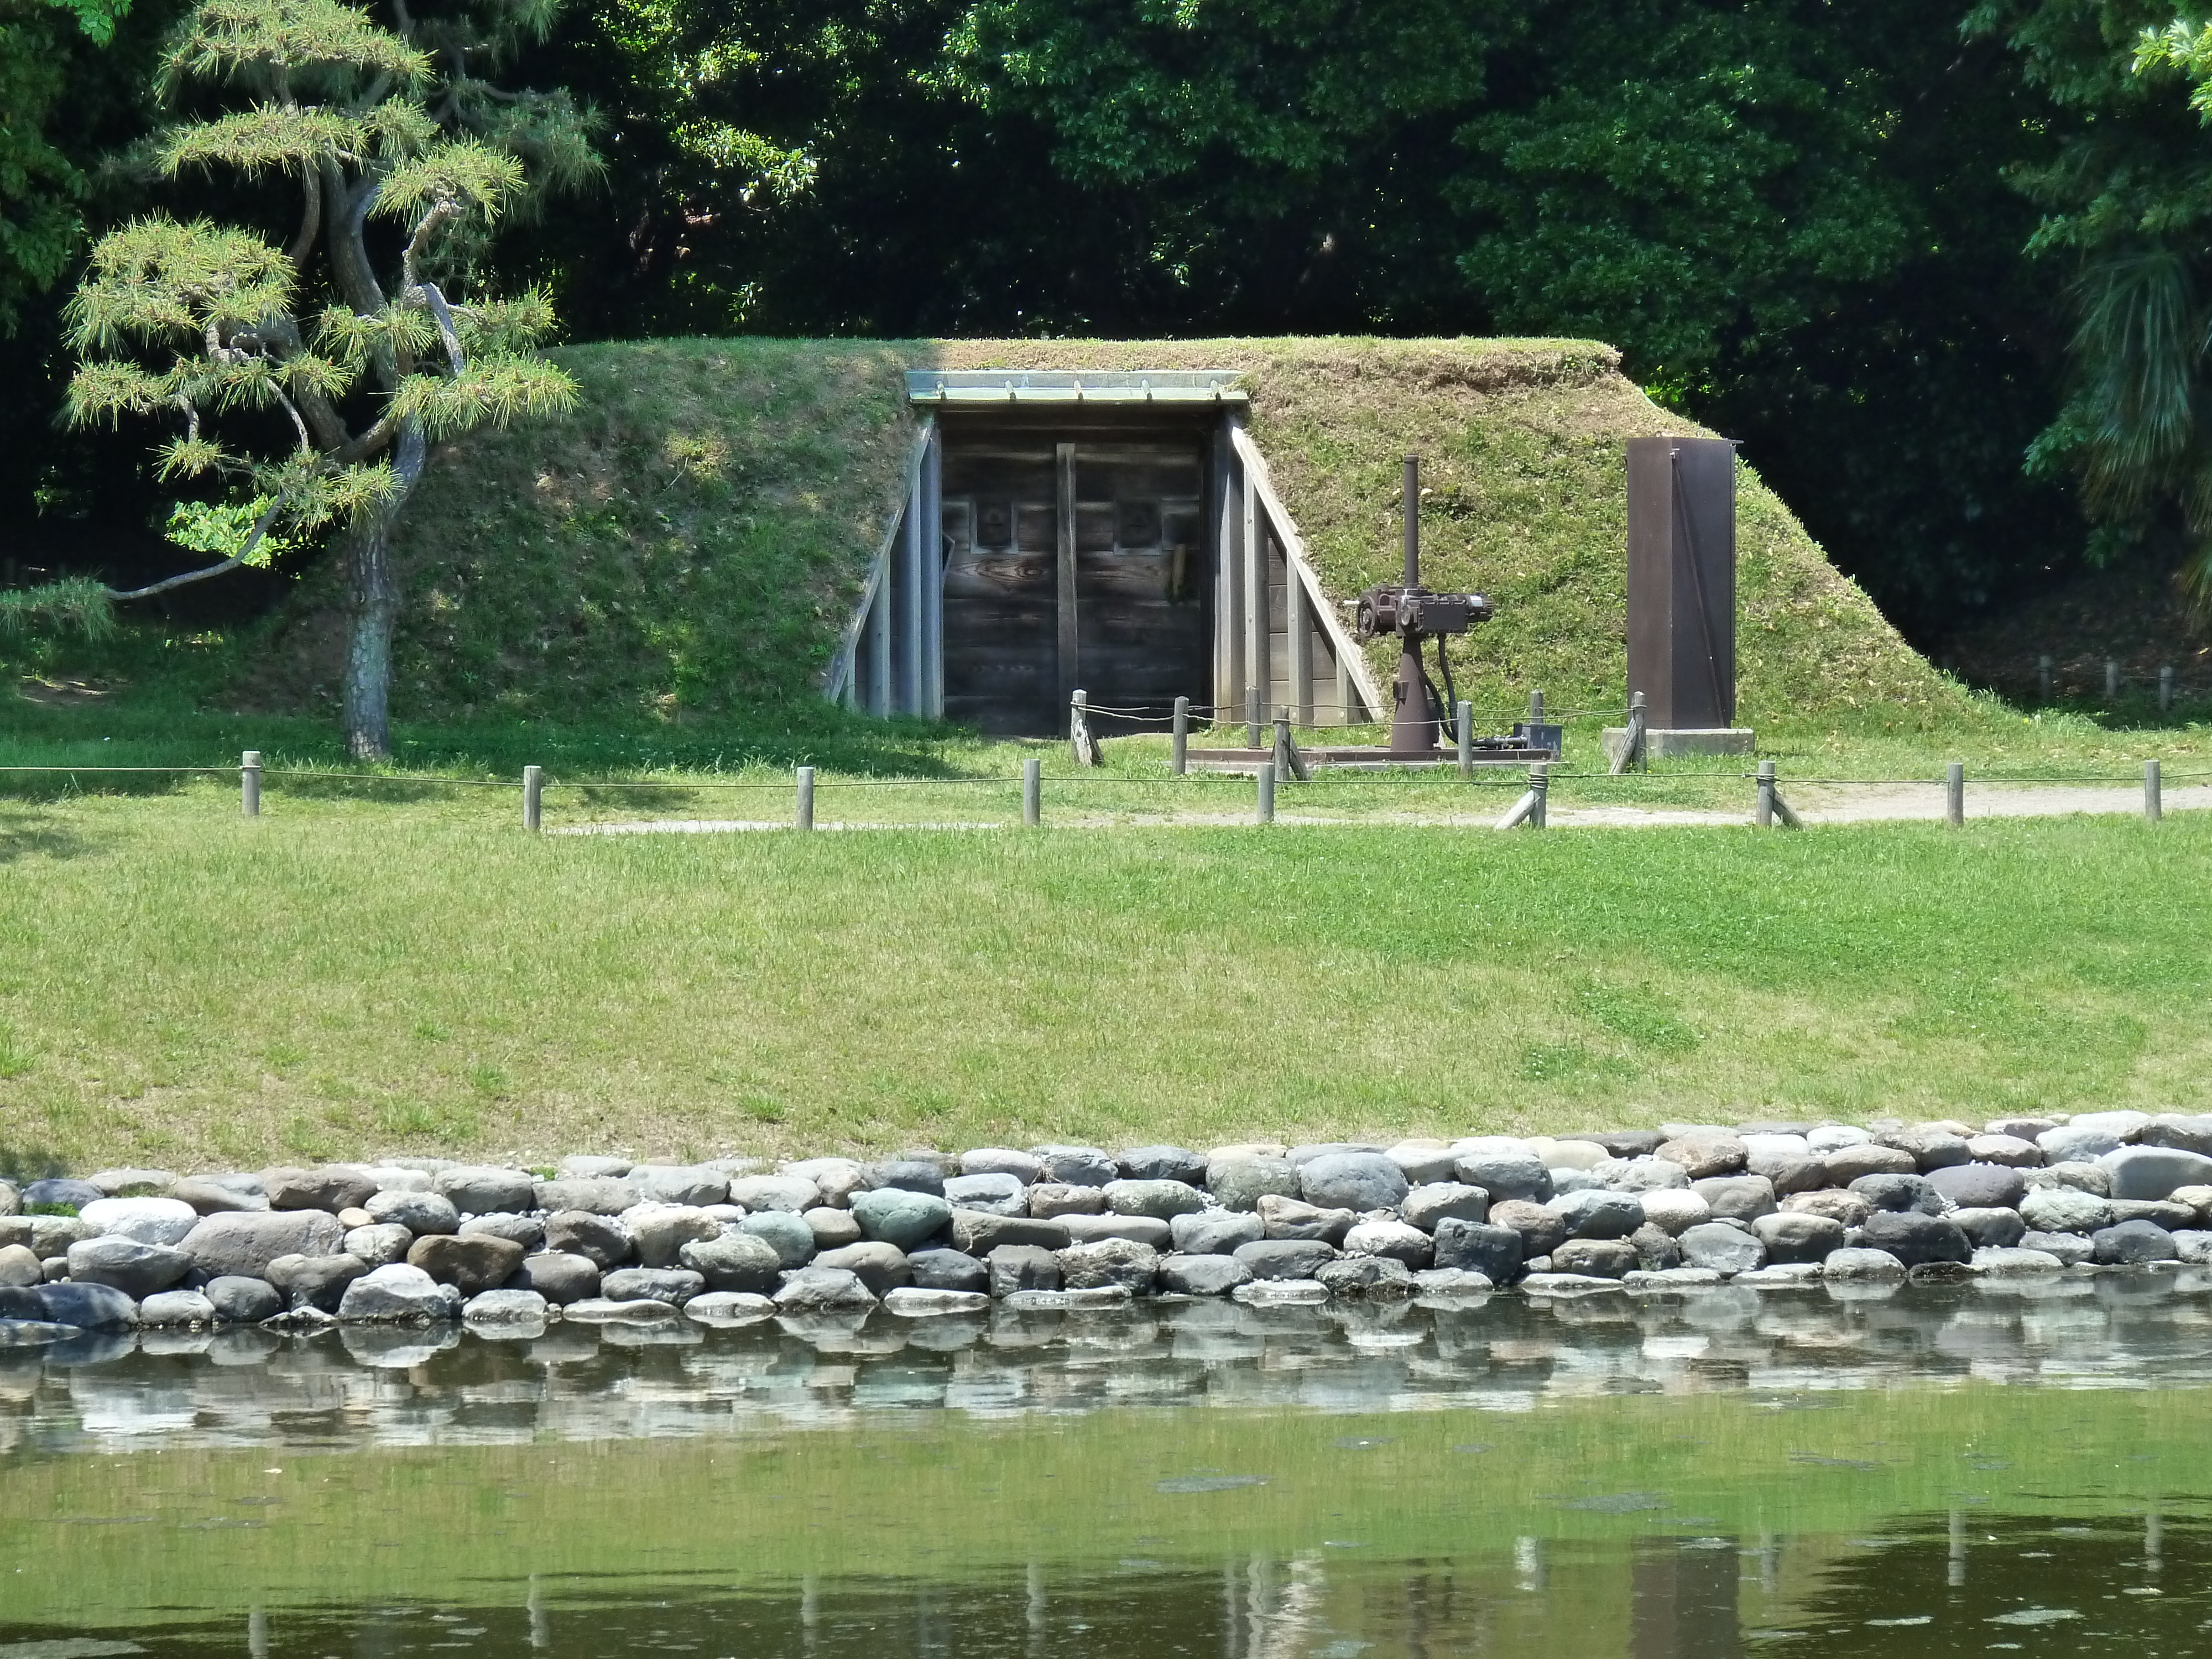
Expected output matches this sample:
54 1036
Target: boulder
330 1186
208 1196
1788 1172
1643 1174
1506 1174
1672 1209
2008 1151
1595 1213
1704 1156
1395 1239
244 1243
148 1221
19 1266
137 1270
834 1229
2007 1261
1859 1266
1215 1232
51 1235
316 1281
1482 1246
1900 1193
1735 1197
686 1184
992 1193
481 1189
605 1310
1432 1201
1425 1163
1914 1238
1074 1166
979 1233
422 1213
1657 1250
1989 1228
821 1289
527 1230
1240 1183
1980 1186
19 1304
1049 1199
949 1270
601 1239
584 1166
397 1178
380 1244
1110 1261
1932 1147
505 1308
917 1302
397 1295
603 1196
1162 1163
1135 1229
658 1232
2154 1171
1795 1237
171 1309
1352 1181
2159 1212
880 1266
2125 1126
1017 1268
1721 1248
674 1286
2093 1178
1450 1284
1305 1154
558 1276
1623 1143
1285 1258
470 1263
60 1191
733 1261
88 1307
2131 1243
1025 1167
132 1182
2071 1249
902 1216
1205 1274
2184 1133
787 1233
236 1299
1849 1209
1848 1163
836 1179
2070 1144
1292 1218
2064 1210
2019 1128
793 1193
2193 1245
1598 1258
1374 1277
1540 1229
1162 1200
905 1174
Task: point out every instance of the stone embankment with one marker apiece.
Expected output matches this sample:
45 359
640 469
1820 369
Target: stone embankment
730 1240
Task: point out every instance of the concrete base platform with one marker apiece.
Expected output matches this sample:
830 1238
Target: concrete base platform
1672 743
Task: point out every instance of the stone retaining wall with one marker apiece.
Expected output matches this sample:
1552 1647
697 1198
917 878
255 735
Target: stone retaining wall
419 1240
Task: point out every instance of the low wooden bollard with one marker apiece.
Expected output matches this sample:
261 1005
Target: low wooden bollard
1772 808
1032 793
802 817
249 784
1253 703
1082 741
533 796
1466 716
1265 807
1630 757
1954 794
1179 744
1530 811
2153 805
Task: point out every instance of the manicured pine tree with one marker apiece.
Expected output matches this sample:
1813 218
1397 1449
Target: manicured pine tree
310 380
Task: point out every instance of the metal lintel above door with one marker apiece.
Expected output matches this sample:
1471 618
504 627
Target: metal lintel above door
1003 386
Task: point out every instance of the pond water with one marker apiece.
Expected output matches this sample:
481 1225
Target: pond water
1725 1472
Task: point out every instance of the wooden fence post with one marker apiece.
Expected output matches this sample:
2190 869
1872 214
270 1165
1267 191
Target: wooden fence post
1539 781
1630 757
1032 793
803 818
1081 740
249 784
1954 794
1252 722
1267 792
1764 816
2154 806
1466 712
1179 751
533 796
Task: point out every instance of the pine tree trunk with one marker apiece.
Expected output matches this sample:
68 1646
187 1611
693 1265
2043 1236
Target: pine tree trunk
373 596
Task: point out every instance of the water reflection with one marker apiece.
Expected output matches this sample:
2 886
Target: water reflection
1926 1586
575 1382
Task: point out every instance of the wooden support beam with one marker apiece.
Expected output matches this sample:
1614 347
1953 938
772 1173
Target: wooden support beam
1064 586
1259 666
1300 624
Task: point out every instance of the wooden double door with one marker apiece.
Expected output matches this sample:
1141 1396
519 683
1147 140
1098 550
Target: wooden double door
1074 560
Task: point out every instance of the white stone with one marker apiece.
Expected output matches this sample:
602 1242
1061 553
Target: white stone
1675 1209
1834 1137
148 1221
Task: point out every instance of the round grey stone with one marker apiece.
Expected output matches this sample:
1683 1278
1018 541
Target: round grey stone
1598 1212
1704 1156
834 1229
1162 1198
1989 1228
527 1230
1050 1199
601 1197
481 1189
88 1307
2075 1144
1162 1163
397 1294
2153 1172
1075 1166
148 1221
1204 1274
1739 1197
505 1308
1644 1174
331 1187
2064 1210
1859 1265
1793 1236
1371 1278
477 1263
1900 1193
2130 1244
949 1270
1506 1175
1293 1218
1914 1238
1599 1258
1721 1248
588 1167
1240 1183
137 1270
1016 1267
880 1266
209 1195
658 1232
421 1214
1847 1164
1540 1229
2071 1248
2191 1133
1432 1201
1396 1239
559 1277
61 1190
2008 1151
602 1239
1025 1167
1931 1148
1425 1165
674 1286
679 1183
19 1266
244 1245
905 1174
1352 1181
789 1235
795 1193
1112 1261
1214 1232
733 1261
174 1308
1656 1249
1980 1186
380 1243
238 1300
1480 1246
994 1193
1285 1258
899 1215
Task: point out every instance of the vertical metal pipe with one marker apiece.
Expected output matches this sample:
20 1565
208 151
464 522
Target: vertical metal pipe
1765 816
533 796
1032 792
1954 794
1179 750
1465 721
1413 516
2153 805
804 817
1267 792
249 784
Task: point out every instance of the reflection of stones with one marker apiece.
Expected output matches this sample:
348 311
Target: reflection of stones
912 1302
729 1308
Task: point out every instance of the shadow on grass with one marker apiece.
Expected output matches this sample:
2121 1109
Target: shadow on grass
19 1164
24 835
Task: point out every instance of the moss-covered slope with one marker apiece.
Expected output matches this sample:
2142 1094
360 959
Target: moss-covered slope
692 540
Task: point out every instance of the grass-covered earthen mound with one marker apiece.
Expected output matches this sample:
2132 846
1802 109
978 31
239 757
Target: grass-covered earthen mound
692 540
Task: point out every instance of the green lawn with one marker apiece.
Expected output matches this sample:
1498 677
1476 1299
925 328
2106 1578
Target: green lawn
404 969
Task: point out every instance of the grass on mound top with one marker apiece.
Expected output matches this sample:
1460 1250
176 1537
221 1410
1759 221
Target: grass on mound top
350 975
